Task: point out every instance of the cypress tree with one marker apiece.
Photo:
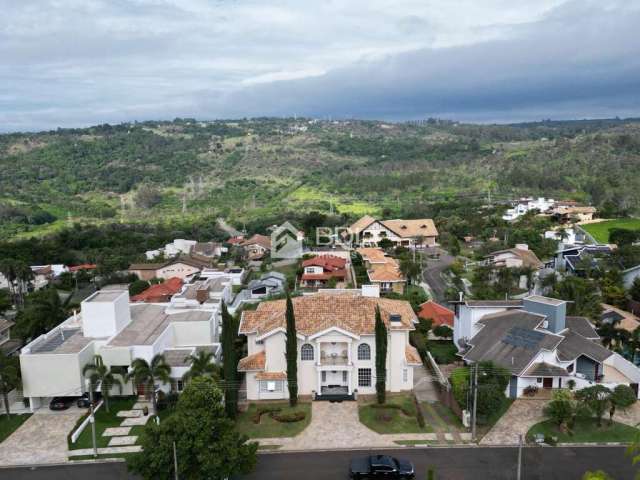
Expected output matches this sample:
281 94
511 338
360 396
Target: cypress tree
292 353
381 357
229 362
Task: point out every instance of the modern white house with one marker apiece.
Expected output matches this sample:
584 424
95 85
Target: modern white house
177 247
108 325
336 346
539 344
526 205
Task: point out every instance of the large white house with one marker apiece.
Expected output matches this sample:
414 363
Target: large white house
368 231
336 346
108 325
526 205
539 344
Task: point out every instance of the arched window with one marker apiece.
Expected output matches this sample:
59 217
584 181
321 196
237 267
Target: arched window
364 352
306 352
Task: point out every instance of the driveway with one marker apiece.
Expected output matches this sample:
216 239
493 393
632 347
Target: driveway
41 439
521 416
432 272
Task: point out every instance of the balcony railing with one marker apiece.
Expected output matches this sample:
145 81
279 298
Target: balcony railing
333 359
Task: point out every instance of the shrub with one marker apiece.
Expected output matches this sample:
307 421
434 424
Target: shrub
530 390
419 415
262 411
288 417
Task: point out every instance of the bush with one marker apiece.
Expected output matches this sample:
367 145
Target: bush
419 415
288 417
262 411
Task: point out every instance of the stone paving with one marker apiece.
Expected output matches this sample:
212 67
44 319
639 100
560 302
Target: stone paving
123 440
41 439
135 421
129 413
106 450
116 431
521 416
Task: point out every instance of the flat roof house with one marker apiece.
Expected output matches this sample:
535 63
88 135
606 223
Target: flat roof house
540 346
336 346
108 325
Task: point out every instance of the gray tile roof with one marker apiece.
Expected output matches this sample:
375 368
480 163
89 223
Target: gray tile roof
545 370
582 326
510 339
575 345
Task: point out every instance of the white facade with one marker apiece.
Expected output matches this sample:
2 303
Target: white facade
526 205
120 332
177 247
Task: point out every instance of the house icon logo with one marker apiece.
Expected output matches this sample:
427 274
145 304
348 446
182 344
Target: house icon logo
285 242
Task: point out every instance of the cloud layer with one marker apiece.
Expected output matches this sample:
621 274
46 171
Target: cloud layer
81 62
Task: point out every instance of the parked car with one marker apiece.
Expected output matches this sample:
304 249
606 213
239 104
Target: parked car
61 403
83 401
381 466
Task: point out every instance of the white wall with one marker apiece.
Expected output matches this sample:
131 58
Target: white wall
102 319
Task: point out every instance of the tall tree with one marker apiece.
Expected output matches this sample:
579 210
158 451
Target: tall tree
229 362
43 310
206 440
99 373
202 365
9 379
292 353
381 357
150 374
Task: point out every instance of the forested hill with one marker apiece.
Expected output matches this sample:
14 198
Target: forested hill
252 169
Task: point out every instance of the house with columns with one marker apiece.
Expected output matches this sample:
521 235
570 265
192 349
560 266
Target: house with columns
336 346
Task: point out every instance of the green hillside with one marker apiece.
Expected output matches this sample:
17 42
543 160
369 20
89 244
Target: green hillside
253 169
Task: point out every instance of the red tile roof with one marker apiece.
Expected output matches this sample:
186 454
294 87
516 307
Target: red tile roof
83 266
327 262
161 292
439 314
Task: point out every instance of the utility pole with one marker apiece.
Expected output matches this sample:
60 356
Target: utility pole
92 420
519 457
475 403
175 460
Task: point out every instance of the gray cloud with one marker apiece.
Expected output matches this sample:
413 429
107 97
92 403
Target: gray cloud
81 62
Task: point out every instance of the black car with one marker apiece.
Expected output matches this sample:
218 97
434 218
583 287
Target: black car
381 466
61 403
83 401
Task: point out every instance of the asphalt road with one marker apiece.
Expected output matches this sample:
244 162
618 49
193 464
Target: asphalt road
539 463
432 272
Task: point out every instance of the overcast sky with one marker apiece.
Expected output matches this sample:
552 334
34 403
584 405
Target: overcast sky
83 62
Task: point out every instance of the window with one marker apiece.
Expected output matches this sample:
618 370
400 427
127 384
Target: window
271 386
344 376
306 352
405 375
364 377
539 380
364 351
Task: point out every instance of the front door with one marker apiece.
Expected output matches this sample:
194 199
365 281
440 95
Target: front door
547 383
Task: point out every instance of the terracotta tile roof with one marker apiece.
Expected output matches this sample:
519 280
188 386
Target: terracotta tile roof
271 376
319 312
628 321
160 292
146 266
361 224
235 240
328 262
257 239
324 276
252 362
83 266
412 228
388 272
372 255
411 355
440 315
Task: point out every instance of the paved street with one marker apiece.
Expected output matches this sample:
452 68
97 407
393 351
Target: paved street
432 272
450 463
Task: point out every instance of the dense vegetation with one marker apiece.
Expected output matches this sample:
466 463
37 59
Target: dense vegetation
264 168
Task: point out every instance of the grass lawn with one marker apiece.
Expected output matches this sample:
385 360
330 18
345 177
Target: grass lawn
105 420
392 420
587 431
268 427
600 230
11 424
412 443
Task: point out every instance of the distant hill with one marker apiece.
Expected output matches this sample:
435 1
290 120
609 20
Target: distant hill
250 169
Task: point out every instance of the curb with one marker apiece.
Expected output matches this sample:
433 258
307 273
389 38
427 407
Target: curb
61 464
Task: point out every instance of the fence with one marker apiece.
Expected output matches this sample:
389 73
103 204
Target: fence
85 422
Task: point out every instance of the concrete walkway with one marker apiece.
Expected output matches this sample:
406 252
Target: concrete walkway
41 439
336 425
521 416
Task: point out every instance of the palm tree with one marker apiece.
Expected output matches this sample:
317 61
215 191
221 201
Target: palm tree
24 276
8 271
202 366
148 374
9 379
100 373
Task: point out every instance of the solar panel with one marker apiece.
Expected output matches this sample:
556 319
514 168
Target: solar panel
53 342
524 338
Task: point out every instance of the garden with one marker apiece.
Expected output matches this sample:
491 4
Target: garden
577 417
9 424
399 414
269 420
